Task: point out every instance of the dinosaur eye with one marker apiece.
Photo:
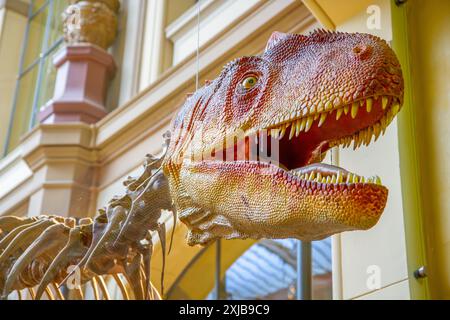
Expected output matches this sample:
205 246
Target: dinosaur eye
249 82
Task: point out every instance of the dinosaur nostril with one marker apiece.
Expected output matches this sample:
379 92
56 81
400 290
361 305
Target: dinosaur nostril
362 51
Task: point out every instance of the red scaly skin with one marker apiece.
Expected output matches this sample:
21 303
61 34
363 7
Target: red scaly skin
308 93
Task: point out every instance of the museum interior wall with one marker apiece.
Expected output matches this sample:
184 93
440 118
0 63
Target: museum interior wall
73 169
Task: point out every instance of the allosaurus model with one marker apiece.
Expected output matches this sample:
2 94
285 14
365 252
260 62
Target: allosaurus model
242 160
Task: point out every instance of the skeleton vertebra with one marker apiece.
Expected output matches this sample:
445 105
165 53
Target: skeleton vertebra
302 96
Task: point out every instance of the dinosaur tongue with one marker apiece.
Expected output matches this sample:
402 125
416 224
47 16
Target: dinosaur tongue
287 154
298 153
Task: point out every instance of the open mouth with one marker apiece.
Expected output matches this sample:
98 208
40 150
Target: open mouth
283 162
299 145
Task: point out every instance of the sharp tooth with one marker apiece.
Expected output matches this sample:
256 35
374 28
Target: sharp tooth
355 142
395 108
339 113
328 179
340 177
298 127
383 122
356 179
350 178
311 176
292 132
328 106
324 180
377 180
323 117
320 107
303 124
362 137
390 116
333 179
376 130
316 116
346 109
309 122
384 102
349 141
355 108
319 177
345 142
282 132
362 180
368 136
305 110
370 180
369 104
274 133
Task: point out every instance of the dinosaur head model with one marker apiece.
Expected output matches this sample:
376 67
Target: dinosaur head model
244 159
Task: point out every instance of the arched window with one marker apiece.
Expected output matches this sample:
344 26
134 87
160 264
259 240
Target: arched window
266 270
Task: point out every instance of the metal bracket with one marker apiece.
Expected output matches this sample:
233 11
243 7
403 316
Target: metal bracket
421 272
400 2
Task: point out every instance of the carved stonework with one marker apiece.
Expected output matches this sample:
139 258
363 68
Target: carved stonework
91 21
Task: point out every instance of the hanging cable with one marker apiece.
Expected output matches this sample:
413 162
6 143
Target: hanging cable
198 45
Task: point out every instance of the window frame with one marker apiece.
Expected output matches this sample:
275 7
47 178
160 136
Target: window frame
38 63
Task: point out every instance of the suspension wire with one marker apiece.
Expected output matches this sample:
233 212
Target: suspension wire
218 247
198 46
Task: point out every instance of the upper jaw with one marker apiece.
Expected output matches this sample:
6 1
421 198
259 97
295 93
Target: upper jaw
302 120
307 138
304 140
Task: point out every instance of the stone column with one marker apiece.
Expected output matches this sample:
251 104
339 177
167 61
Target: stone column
60 151
84 66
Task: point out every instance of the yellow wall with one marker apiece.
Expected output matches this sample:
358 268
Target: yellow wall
427 31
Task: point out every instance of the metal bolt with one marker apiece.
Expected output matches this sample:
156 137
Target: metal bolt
420 273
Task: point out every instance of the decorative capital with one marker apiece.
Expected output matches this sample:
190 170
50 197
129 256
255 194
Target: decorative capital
91 21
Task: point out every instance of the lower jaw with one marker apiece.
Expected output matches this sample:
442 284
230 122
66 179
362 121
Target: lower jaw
297 207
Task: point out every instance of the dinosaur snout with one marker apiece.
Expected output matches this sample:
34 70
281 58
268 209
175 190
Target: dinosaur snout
363 52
